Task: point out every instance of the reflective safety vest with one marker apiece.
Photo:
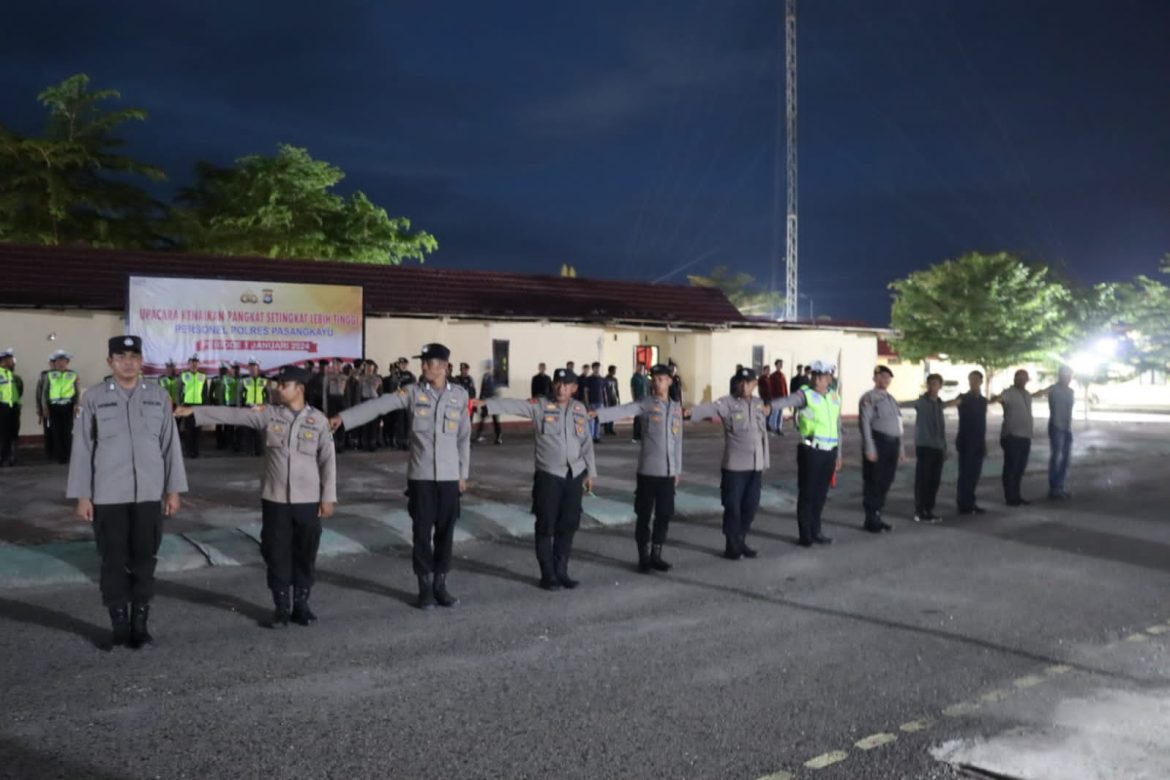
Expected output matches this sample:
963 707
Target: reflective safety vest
819 419
193 388
171 385
7 388
254 390
229 384
62 386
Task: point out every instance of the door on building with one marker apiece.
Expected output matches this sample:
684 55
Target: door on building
758 357
646 355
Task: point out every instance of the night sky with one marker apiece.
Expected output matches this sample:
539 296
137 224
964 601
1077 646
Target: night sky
637 139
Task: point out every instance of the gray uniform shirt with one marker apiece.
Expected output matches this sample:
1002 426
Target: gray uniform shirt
300 465
1060 406
440 434
930 425
745 431
125 446
1017 413
661 454
563 440
878 412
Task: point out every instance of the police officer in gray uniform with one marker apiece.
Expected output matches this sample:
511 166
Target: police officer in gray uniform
440 461
565 469
126 474
659 464
880 419
298 490
746 455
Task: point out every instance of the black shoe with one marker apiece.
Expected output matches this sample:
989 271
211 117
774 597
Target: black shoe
731 551
139 633
1024 502
747 552
442 595
644 558
281 614
979 510
562 568
886 526
120 625
499 440
805 542
656 559
1014 503
426 592
822 539
301 614
873 528
550 583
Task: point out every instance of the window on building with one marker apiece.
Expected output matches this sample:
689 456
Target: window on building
500 362
758 357
646 355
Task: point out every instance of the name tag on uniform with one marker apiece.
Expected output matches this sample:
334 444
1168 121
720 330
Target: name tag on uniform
311 421
550 418
277 428
551 407
422 411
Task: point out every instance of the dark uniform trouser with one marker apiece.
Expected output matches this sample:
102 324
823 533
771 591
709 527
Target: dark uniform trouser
970 470
638 428
61 431
289 538
878 475
740 494
927 477
814 470
190 435
1015 461
9 430
400 428
433 508
653 495
127 536
556 502
224 435
483 415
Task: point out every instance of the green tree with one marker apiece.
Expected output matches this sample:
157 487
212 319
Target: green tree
71 184
284 206
993 310
742 290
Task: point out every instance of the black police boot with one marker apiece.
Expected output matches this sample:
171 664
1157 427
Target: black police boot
139 634
426 592
544 557
120 623
748 552
656 559
280 615
301 614
442 596
644 565
731 551
562 568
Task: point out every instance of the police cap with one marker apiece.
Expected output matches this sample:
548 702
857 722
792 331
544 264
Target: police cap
434 352
120 344
660 370
293 374
564 376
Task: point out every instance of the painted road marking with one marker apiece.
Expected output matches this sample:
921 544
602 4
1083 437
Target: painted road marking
994 696
916 725
874 741
1137 638
960 709
1027 681
1156 630
826 759
781 775
1058 669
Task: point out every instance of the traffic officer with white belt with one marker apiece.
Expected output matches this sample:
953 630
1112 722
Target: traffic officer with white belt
659 464
298 490
565 470
818 455
880 419
746 454
193 390
127 476
60 401
440 463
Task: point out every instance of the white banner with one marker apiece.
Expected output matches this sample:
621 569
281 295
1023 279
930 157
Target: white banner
277 323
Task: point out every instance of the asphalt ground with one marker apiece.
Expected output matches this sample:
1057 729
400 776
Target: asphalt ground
934 636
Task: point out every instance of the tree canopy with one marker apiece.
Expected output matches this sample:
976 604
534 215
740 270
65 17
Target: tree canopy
72 184
742 289
989 309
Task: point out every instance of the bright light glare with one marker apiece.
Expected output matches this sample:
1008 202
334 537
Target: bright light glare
1105 348
1084 362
